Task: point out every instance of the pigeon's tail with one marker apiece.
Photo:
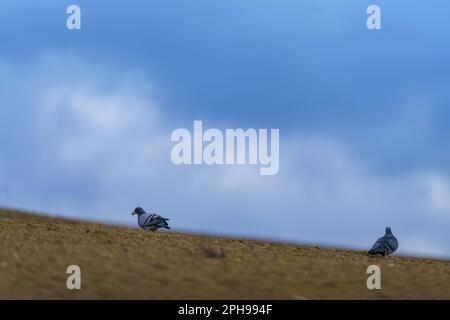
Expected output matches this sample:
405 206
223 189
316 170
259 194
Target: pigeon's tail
164 224
375 252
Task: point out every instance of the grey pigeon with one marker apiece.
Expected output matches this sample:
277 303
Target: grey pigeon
385 245
150 221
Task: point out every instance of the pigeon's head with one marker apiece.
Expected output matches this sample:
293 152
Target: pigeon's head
388 230
138 211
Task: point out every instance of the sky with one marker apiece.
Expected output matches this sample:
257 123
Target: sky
86 116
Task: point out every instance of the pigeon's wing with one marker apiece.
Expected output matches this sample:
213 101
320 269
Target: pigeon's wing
154 220
379 247
391 243
379 242
148 219
384 246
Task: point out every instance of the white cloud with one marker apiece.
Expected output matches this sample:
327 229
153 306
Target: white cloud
422 245
437 190
97 123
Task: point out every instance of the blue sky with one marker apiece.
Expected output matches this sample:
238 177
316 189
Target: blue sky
86 116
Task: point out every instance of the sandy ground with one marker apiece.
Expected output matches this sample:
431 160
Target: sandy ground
126 263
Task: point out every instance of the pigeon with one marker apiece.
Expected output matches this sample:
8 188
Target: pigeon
385 245
150 221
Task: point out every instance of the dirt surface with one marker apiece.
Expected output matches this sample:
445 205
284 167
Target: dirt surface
127 263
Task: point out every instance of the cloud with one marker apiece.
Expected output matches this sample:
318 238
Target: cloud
99 145
423 246
437 192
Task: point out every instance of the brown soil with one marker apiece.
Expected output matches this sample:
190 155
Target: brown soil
127 263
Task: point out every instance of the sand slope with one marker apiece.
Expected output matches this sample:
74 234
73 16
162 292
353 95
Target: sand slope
130 263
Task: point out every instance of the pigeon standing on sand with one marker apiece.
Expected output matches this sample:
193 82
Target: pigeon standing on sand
385 245
150 221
